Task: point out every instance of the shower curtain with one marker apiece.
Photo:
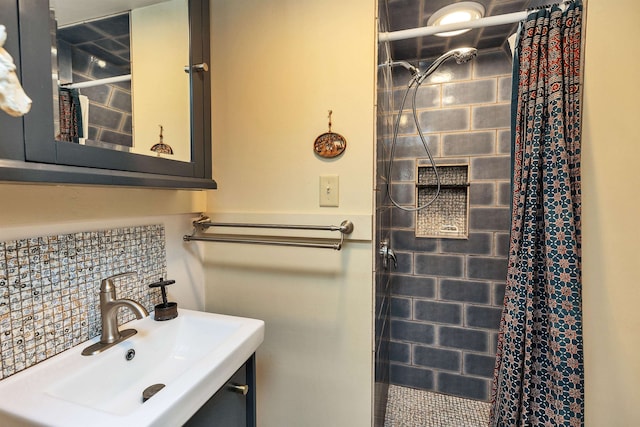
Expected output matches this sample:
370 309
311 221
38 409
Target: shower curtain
539 374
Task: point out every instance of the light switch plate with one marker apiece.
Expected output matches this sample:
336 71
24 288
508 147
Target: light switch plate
329 190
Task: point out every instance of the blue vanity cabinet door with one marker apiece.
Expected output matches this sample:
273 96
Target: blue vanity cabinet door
228 407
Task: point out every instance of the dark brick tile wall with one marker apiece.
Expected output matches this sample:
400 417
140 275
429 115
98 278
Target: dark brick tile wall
482 317
491 117
504 194
400 352
401 308
504 89
403 171
463 338
482 194
504 141
403 219
492 64
489 219
411 146
465 291
403 240
502 244
441 312
109 105
414 332
405 263
477 364
428 97
492 168
436 358
385 350
498 294
411 376
466 386
468 143
449 120
415 286
439 265
476 243
471 92
487 268
404 194
447 294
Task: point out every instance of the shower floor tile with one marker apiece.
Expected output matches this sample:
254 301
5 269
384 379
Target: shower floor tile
407 407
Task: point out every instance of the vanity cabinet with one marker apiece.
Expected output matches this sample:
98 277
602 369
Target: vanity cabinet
230 407
28 149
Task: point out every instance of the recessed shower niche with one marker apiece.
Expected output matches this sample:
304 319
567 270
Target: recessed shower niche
447 216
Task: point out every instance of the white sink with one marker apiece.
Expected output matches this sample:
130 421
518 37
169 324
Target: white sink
193 355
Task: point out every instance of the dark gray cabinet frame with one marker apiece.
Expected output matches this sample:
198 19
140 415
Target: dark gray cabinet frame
28 149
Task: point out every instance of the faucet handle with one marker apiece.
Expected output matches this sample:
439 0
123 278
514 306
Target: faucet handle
162 283
165 310
107 285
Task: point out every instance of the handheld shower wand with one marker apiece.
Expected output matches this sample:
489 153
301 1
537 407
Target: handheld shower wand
461 55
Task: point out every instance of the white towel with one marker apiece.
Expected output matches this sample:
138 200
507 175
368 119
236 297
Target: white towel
513 42
84 108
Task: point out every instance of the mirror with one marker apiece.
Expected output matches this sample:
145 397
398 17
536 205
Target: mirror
122 83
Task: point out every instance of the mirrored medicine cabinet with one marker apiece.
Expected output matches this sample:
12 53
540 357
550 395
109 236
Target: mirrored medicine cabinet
120 96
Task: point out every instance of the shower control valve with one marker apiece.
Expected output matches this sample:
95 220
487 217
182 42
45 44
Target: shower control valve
387 254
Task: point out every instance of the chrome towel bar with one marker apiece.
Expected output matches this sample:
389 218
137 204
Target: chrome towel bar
203 223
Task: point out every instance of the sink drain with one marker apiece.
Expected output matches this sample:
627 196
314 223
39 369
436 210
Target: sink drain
150 391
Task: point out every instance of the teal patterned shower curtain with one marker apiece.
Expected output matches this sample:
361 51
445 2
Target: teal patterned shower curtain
539 375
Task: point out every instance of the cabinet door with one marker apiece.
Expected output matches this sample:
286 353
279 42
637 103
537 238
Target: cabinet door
39 141
11 146
35 45
229 407
28 149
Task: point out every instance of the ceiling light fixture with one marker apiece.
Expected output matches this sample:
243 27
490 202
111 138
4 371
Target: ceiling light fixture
454 13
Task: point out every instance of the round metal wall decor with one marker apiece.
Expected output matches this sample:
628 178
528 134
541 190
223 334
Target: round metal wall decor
330 144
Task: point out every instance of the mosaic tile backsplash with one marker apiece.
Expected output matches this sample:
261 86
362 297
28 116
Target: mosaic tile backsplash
49 288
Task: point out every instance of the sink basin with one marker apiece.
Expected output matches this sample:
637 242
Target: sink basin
193 355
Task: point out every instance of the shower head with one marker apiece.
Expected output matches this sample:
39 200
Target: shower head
461 55
464 54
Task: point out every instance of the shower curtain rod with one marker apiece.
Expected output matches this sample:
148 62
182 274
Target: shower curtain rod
91 83
509 18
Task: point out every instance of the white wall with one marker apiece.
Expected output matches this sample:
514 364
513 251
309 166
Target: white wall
611 148
281 66
30 210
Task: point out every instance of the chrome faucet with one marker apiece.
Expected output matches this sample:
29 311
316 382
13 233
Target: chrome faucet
108 315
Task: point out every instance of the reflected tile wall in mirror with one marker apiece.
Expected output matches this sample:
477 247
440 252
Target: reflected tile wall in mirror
95 50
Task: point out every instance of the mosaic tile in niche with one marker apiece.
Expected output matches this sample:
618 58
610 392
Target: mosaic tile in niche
446 216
